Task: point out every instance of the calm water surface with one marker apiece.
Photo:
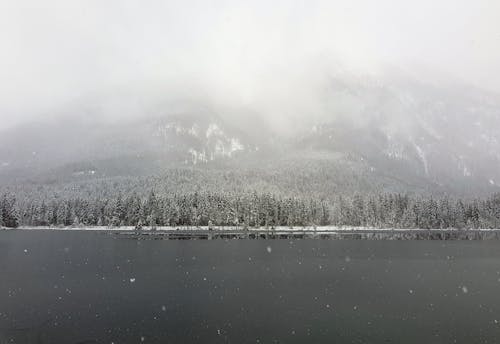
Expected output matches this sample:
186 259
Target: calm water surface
89 287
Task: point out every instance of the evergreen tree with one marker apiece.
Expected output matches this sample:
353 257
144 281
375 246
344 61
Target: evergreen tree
8 212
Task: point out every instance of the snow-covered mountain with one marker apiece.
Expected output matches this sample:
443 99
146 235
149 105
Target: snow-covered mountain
78 147
203 140
421 135
444 134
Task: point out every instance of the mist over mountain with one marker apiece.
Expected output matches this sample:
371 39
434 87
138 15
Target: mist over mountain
392 131
343 97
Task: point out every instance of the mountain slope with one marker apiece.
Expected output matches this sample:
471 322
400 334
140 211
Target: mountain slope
374 133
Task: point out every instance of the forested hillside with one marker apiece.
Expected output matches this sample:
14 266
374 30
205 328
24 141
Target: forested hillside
387 150
388 133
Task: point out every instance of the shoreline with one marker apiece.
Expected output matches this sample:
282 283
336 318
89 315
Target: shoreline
250 229
322 232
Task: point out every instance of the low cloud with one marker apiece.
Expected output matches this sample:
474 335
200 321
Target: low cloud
273 59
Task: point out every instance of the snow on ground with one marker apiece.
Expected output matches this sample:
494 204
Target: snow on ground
232 228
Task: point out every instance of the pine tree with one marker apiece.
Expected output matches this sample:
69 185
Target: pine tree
8 212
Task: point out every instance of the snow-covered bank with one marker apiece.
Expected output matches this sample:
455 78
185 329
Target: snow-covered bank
253 229
324 232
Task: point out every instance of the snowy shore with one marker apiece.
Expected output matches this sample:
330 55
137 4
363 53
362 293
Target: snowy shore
284 232
252 229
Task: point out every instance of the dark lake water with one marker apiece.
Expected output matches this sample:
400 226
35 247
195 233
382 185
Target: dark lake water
89 287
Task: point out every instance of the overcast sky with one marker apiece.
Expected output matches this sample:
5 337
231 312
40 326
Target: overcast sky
55 51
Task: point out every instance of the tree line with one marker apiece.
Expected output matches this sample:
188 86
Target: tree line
251 209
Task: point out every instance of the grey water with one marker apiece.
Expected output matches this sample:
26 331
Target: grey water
93 287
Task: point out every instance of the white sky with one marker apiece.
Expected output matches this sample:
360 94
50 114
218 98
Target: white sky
240 52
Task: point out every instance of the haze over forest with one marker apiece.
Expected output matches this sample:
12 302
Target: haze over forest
311 99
